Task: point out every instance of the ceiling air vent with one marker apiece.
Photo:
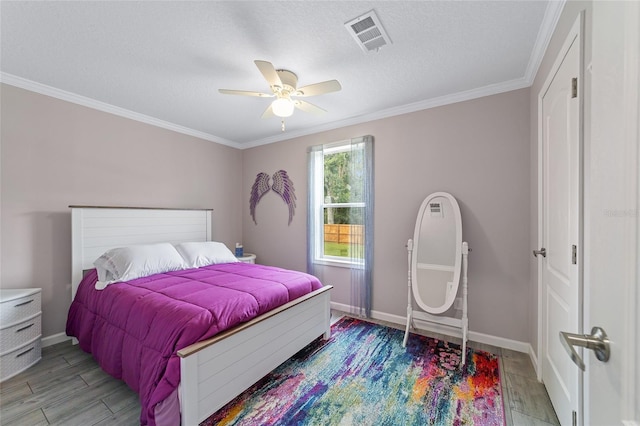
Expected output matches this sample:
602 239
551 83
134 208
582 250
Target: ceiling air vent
368 32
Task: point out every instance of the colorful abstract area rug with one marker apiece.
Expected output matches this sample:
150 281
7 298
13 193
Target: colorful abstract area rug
363 376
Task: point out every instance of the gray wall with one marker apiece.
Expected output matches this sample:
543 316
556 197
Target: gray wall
55 153
477 150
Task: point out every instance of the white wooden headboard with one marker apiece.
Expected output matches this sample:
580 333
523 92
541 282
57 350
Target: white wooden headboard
95 230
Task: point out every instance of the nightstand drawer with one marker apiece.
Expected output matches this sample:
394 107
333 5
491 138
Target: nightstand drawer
20 359
14 310
18 334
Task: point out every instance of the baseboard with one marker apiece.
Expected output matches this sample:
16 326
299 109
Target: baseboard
534 361
54 339
500 342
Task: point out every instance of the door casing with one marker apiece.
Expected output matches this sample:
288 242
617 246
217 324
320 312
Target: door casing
577 33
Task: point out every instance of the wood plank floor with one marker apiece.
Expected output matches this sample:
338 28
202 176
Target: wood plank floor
68 388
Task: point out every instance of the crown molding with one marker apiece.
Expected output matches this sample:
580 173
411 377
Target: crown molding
549 21
489 90
43 89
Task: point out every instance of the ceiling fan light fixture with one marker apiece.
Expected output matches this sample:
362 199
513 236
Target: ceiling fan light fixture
284 86
283 107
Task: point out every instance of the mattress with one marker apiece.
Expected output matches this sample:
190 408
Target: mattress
134 329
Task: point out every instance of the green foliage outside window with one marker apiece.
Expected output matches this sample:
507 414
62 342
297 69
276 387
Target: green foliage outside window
343 183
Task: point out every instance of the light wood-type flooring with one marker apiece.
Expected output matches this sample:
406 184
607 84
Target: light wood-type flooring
68 388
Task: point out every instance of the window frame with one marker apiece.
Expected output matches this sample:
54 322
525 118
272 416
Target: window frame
319 257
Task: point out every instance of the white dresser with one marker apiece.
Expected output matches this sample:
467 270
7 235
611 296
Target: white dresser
20 330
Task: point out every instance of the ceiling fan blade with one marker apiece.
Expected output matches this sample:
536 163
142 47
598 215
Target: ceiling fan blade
307 107
269 72
245 93
319 88
268 113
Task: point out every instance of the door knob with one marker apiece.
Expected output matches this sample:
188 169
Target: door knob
597 341
542 251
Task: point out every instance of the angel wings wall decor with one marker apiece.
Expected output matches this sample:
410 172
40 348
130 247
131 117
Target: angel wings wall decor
282 185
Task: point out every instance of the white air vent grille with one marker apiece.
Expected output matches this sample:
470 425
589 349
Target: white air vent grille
365 24
368 32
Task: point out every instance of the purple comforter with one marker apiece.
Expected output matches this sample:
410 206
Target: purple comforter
134 329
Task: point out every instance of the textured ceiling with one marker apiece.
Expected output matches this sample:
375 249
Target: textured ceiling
162 62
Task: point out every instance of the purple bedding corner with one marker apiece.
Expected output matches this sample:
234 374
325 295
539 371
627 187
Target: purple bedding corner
134 329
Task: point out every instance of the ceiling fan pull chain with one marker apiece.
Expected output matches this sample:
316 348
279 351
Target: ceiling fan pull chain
283 124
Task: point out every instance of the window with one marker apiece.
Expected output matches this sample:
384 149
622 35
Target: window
341 200
340 219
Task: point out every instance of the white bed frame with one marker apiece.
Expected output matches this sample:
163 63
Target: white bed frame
214 371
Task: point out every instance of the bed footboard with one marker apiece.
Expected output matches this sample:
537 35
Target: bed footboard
215 371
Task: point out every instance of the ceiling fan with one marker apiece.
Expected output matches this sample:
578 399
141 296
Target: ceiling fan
283 84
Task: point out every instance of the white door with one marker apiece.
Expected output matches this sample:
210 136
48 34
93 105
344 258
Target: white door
612 396
560 203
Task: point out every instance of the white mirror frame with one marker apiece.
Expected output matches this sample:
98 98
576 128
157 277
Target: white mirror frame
458 255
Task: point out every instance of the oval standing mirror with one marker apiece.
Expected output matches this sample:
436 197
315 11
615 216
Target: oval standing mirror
436 257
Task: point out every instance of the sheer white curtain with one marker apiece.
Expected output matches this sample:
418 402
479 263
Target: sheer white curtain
340 219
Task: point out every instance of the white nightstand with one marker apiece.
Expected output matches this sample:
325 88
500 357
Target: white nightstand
248 258
20 330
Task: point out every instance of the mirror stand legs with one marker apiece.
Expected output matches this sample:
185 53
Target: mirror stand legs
462 323
409 326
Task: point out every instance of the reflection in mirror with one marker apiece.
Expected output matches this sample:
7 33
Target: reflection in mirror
436 253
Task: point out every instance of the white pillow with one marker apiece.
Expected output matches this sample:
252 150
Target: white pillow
205 253
128 263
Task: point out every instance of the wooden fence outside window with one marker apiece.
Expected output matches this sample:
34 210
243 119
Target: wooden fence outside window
344 234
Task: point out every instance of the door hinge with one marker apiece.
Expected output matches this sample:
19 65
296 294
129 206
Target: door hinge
574 418
574 254
574 87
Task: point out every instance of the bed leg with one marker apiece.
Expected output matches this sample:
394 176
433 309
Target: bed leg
327 331
189 397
